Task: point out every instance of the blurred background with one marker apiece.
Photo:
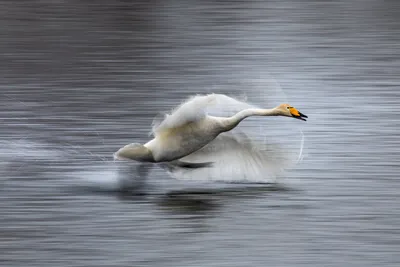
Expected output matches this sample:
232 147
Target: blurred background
79 79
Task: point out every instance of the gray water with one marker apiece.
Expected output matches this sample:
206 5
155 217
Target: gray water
79 79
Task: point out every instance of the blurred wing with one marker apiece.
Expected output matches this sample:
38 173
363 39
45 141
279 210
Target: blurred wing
196 108
234 159
224 106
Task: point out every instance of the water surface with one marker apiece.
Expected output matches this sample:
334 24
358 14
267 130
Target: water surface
80 79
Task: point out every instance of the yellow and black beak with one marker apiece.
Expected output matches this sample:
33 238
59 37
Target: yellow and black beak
297 114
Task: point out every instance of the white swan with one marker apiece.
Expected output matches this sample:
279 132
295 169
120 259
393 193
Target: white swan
187 131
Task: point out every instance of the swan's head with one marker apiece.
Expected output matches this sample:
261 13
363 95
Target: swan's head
289 111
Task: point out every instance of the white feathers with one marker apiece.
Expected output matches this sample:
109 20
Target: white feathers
196 108
235 156
191 110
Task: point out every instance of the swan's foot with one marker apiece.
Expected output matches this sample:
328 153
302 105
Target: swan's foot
188 165
192 165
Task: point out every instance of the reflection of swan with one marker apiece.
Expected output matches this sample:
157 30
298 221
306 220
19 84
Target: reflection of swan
182 138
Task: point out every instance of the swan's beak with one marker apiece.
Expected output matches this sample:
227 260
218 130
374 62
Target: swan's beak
297 114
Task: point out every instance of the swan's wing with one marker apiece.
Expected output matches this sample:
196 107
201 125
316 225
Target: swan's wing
196 108
224 106
234 159
191 110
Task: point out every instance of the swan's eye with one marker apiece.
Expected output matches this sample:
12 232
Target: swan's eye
288 107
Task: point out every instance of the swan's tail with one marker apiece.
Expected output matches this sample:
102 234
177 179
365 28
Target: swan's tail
134 151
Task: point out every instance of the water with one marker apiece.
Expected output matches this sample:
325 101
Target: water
79 80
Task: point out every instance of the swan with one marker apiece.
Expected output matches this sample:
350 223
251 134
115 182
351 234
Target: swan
191 132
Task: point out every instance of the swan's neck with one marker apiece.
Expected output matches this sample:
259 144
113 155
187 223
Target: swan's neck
232 122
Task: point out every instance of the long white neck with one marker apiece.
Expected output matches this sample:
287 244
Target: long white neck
232 122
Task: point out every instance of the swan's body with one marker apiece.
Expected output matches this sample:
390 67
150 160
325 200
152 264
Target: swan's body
174 143
190 128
